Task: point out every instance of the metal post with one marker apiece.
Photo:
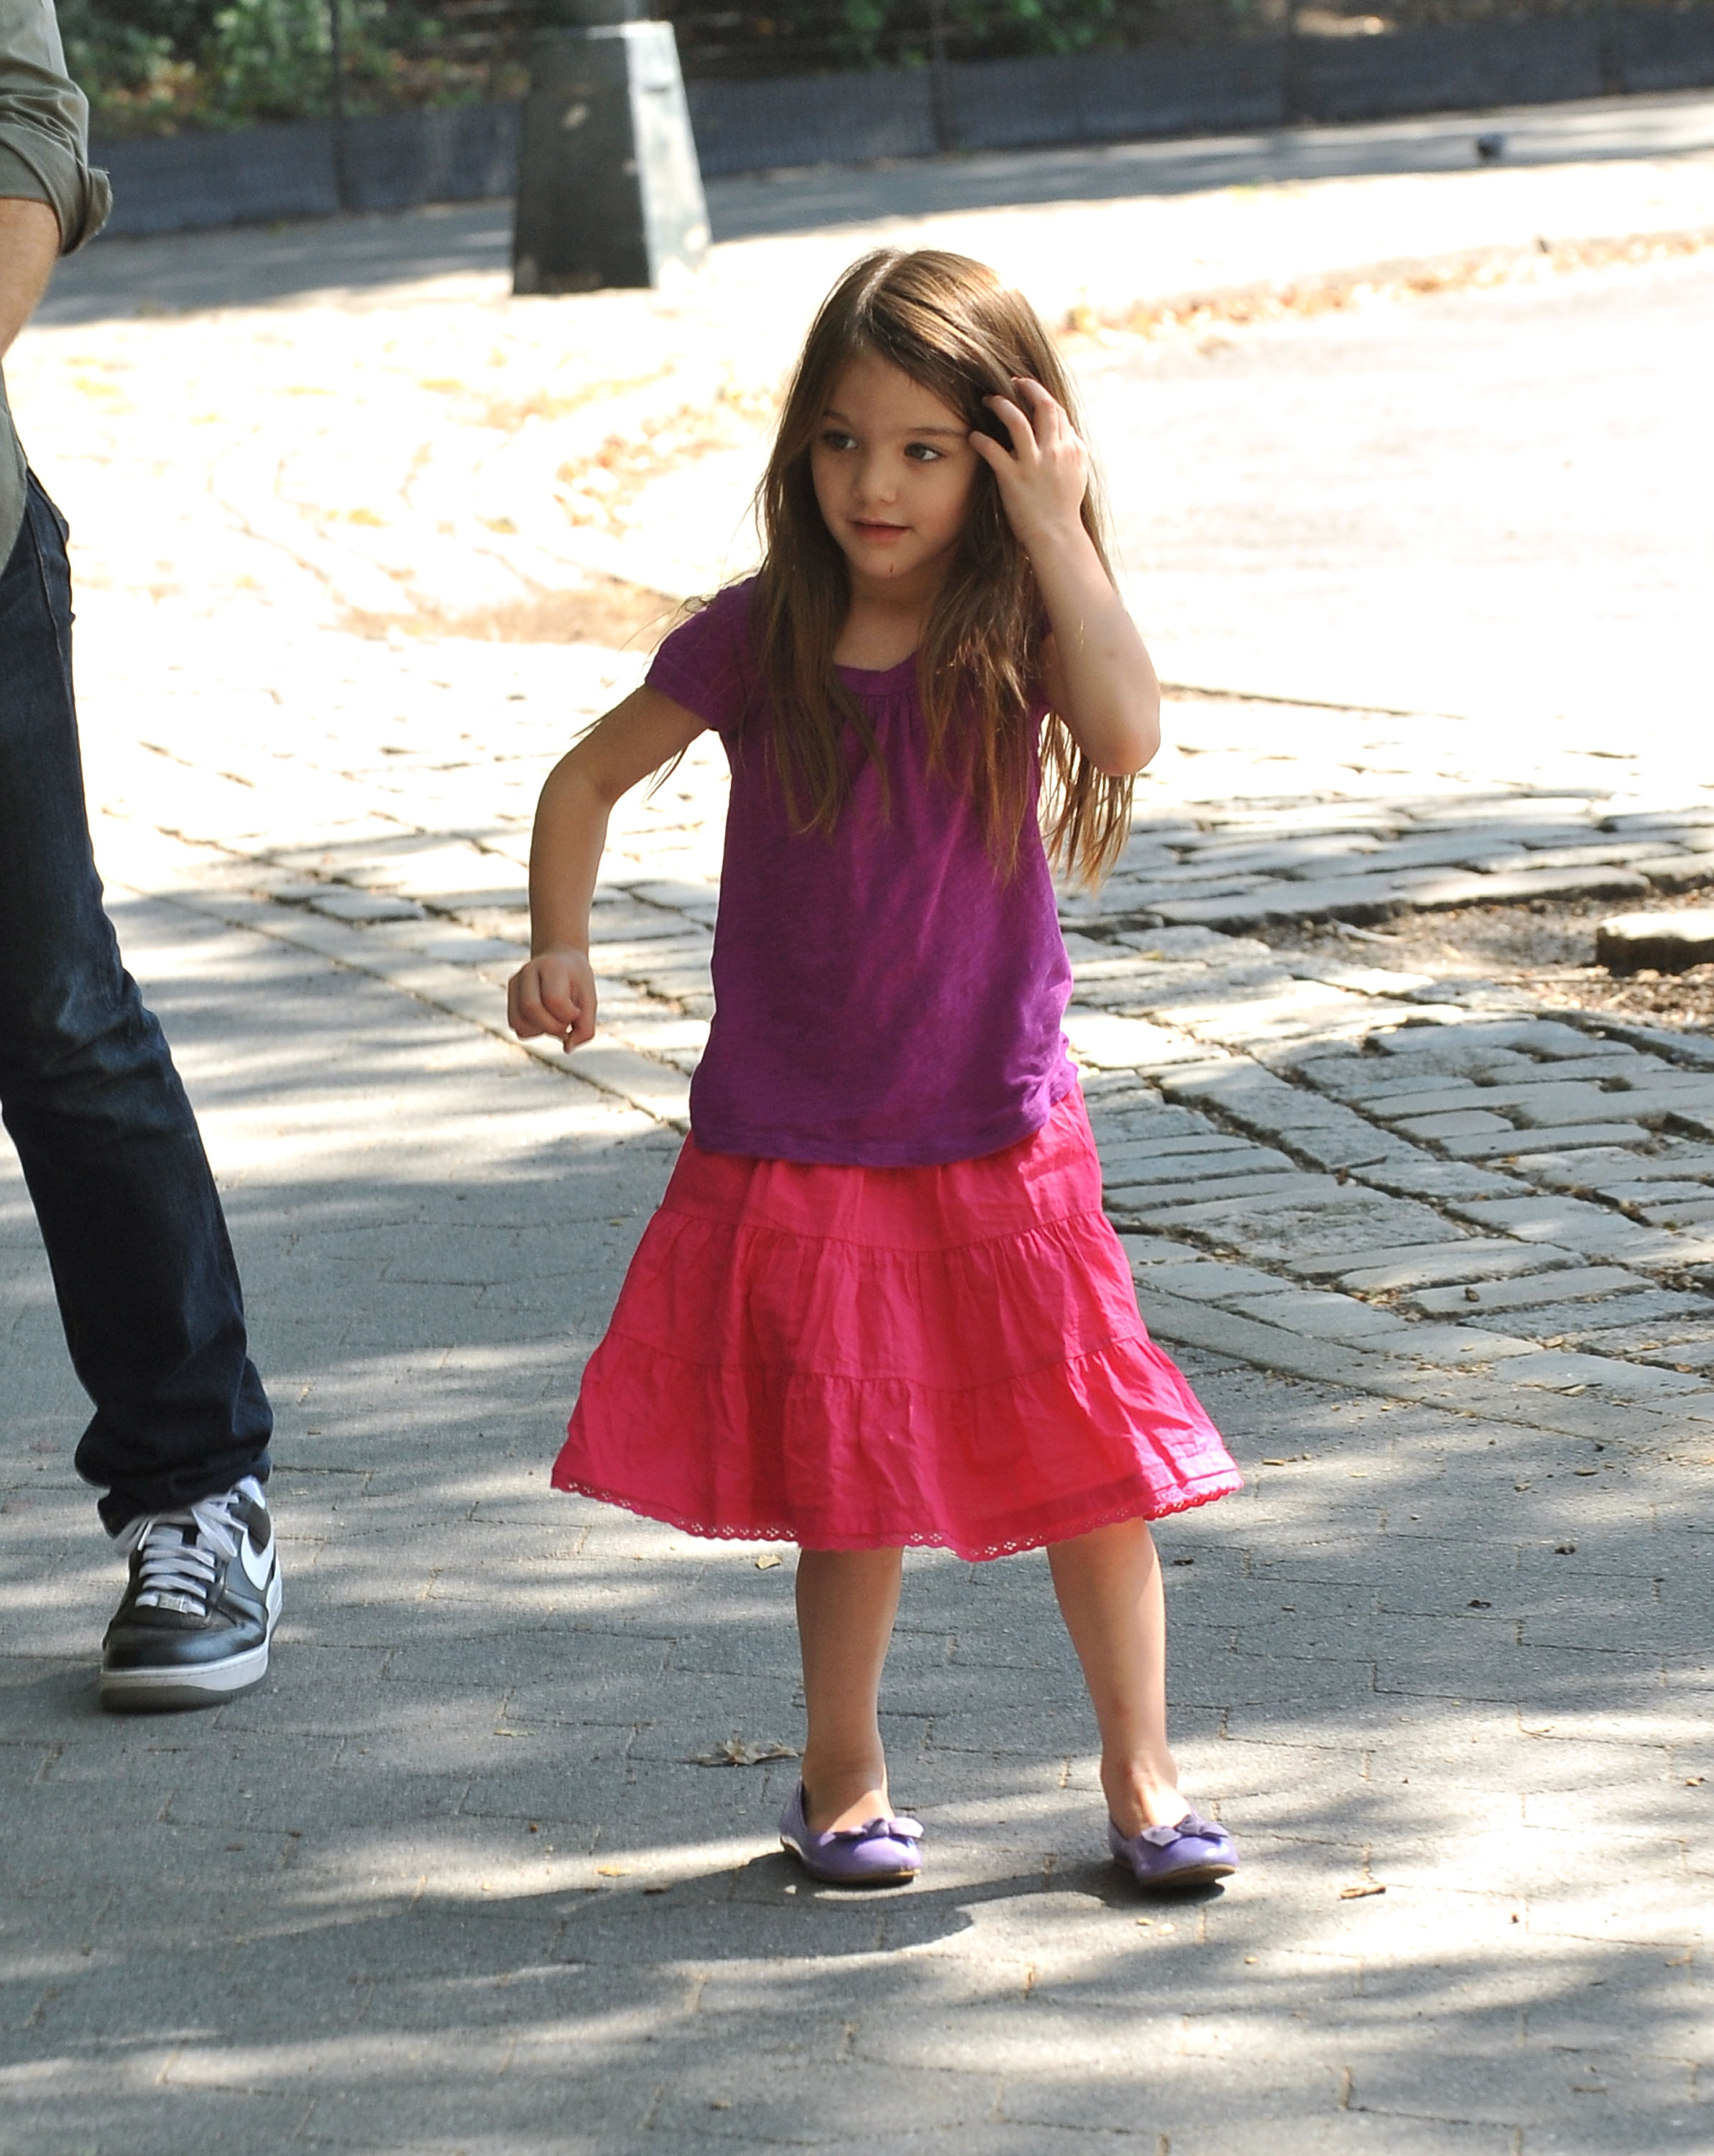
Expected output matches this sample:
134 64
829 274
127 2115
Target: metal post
609 192
336 100
1296 99
939 86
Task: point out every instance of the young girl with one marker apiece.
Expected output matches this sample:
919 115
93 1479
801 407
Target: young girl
879 1305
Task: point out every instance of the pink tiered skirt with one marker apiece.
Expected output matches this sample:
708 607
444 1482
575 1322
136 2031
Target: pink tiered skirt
866 1358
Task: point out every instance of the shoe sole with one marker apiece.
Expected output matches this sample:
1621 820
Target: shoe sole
205 1684
848 1878
1193 1875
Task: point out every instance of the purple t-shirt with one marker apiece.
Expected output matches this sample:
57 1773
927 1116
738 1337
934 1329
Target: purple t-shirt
883 997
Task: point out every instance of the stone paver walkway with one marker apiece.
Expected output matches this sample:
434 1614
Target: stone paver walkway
487 1867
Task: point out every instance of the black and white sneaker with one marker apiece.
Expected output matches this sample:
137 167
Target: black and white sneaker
203 1602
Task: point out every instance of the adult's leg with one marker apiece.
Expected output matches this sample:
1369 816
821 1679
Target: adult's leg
1108 1587
847 1600
142 1266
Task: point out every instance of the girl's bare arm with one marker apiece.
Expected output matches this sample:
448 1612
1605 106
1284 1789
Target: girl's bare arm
555 992
1101 678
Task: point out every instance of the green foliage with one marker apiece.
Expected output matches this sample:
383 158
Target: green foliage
1024 26
812 34
268 60
151 66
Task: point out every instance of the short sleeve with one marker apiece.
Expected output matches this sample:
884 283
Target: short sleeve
706 664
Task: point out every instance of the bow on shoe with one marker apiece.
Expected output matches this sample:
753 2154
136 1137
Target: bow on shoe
1192 1827
891 1830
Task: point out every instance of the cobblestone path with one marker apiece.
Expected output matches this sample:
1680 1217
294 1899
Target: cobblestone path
1369 1174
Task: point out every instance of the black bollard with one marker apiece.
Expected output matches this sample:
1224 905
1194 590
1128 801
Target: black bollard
609 191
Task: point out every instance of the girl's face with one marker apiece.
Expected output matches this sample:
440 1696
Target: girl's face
893 470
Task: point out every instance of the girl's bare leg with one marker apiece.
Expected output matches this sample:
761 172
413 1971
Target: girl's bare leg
847 1600
1109 1586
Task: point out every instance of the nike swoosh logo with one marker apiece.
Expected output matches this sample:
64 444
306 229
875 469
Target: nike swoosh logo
258 1563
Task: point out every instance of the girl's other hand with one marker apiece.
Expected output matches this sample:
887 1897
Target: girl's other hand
1044 475
554 994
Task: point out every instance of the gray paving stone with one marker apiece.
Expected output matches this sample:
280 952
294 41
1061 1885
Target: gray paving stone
1561 1368
1422 1175
1583 1172
1208 1279
1198 1142
1678 1045
1205 1326
1596 1136
1144 1251
1449 1346
1683 1344
1572 1224
1191 1171
1539 1102
1469 1258
1343 898
1508 886
1374 1081
1455 1128
1564 1288
1670 941
1322 1316
1682 1213
1169 1203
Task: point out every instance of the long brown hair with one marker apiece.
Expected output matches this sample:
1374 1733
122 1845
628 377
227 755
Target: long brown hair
951 325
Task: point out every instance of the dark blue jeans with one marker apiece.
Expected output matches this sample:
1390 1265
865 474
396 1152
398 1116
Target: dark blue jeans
148 1290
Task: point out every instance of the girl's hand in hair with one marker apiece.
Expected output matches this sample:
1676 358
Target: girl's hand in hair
1095 669
1045 474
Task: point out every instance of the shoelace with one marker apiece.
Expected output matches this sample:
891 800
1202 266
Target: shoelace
181 1551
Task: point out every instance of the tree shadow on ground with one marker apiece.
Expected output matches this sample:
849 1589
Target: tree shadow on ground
455 1877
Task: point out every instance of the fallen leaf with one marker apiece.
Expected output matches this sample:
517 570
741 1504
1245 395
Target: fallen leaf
613 1871
1359 1893
767 1564
734 1752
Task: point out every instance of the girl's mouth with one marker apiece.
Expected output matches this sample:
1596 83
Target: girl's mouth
881 534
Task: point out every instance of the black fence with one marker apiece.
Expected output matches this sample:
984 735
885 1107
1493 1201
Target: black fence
468 152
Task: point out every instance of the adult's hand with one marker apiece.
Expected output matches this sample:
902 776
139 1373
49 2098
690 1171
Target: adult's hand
30 247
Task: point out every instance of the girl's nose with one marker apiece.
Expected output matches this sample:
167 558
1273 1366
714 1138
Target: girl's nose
875 482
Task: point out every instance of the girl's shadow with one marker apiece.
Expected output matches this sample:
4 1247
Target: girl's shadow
834 1920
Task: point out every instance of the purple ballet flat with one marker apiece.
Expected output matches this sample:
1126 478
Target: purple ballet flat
882 1854
1194 1853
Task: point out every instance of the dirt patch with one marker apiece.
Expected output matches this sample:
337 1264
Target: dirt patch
1546 948
1196 314
603 610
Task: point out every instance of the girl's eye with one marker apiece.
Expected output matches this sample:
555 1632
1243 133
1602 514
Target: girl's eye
924 453
835 438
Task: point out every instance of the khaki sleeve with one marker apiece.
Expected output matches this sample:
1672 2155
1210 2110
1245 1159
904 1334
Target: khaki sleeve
44 121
